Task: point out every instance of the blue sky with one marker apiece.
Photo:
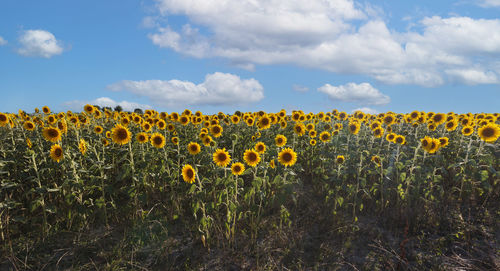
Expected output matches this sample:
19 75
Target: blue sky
212 56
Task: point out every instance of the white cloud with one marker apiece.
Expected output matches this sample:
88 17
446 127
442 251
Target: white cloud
489 3
366 110
2 41
363 93
39 43
105 102
300 88
473 76
337 35
217 89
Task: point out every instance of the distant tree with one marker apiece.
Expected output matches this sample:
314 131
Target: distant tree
118 108
138 111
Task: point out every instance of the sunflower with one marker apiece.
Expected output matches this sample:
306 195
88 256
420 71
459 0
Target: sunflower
299 129
51 119
88 109
451 125
170 127
310 126
264 122
216 130
325 136
399 139
120 134
175 140
56 153
161 124
260 147
142 137
52 134
272 164
376 160
206 140
193 148
431 126
312 142
104 141
313 133
46 110
157 140
249 121
283 124
426 143
378 132
237 168
29 125
4 119
137 119
467 130
414 115
221 157
434 146
108 134
146 127
28 142
235 119
280 140
98 129
82 146
438 118
340 159
188 173
354 127
296 116
389 119
251 157
390 137
443 142
287 157
489 132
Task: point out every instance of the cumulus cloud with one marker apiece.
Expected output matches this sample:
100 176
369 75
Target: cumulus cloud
366 110
489 3
39 43
300 88
77 105
338 35
363 93
217 89
2 41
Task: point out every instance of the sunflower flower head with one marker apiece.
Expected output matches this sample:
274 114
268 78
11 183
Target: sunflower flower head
193 148
56 153
340 159
157 140
260 147
280 140
221 157
287 157
188 174
237 168
52 134
251 157
489 133
82 146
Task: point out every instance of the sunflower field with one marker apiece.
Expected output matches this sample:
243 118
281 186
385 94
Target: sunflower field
256 190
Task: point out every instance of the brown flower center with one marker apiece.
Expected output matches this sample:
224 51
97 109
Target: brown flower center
287 157
488 132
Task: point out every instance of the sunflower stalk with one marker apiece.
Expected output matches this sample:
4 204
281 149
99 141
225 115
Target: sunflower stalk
42 200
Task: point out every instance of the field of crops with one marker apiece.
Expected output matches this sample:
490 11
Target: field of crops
145 190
